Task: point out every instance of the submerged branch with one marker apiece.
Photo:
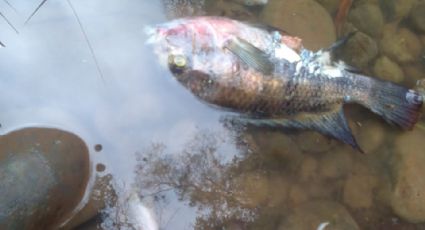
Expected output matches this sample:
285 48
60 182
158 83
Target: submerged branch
2 45
8 22
87 39
35 11
10 5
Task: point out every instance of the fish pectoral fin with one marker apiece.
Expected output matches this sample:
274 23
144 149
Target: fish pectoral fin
332 124
250 55
340 42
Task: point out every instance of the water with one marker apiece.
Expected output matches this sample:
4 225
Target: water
167 160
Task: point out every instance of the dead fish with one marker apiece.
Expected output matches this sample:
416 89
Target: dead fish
255 72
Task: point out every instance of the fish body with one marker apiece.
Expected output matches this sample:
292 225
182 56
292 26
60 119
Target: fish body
268 77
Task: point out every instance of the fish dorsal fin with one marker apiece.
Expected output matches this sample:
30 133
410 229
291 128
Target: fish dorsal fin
251 55
332 124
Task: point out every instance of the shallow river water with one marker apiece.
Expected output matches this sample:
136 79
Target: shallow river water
158 158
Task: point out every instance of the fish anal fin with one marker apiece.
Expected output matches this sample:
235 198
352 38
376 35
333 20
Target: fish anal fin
331 124
250 55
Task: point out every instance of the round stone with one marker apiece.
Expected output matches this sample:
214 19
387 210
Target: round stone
44 173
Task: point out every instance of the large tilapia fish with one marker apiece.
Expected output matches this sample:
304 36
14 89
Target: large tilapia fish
270 79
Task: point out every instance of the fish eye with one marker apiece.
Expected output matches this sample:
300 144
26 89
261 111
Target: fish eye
177 63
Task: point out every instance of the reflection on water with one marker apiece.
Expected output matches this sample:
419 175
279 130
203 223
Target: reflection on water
162 159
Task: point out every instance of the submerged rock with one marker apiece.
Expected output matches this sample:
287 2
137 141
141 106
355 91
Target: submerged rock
330 5
230 9
360 50
396 10
311 215
400 44
335 164
368 19
371 136
306 19
358 191
255 189
314 142
44 173
417 17
183 8
388 70
408 195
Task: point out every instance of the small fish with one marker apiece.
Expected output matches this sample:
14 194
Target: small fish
271 80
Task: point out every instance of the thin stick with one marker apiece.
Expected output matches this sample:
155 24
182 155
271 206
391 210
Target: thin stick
8 22
2 45
10 5
35 11
87 39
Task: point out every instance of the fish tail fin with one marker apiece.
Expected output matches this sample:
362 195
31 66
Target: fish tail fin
396 104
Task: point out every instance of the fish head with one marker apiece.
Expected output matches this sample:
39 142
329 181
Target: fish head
191 44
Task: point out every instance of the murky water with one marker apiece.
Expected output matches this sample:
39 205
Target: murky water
161 159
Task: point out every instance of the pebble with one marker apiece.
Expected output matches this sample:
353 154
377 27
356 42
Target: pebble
335 165
387 69
400 44
254 189
413 72
330 5
417 17
230 9
308 169
360 50
367 18
358 192
396 10
306 19
297 195
314 142
408 195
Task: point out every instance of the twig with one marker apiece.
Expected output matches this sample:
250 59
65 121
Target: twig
8 22
87 39
171 217
2 45
10 5
35 11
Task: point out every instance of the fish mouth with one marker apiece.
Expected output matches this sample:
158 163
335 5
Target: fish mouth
153 34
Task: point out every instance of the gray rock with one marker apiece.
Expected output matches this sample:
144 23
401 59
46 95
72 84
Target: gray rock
368 19
44 173
306 19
